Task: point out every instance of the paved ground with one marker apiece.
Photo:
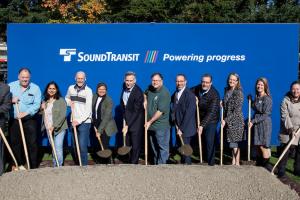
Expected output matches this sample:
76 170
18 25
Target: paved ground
144 182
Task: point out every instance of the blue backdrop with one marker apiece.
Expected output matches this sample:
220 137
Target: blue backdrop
106 51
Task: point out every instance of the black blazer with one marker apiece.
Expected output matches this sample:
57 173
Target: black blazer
184 112
5 102
133 112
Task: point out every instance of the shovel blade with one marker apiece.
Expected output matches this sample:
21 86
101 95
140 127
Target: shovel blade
124 150
185 150
104 153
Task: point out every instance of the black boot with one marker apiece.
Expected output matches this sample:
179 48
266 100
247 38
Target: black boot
259 161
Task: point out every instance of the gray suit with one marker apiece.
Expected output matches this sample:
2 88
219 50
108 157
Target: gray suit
5 103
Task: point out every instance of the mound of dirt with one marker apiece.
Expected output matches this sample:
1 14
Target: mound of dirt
144 182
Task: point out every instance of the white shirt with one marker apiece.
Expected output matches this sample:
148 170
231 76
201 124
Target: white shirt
99 99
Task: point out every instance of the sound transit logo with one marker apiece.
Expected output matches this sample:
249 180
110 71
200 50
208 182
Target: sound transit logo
151 56
67 53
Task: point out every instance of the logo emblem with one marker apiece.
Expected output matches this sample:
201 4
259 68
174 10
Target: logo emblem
67 53
151 56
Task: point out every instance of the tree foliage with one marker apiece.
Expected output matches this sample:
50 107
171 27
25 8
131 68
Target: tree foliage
180 11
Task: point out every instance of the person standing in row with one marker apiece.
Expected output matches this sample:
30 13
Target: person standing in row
102 116
132 100
233 115
184 112
158 125
289 124
28 97
79 97
262 122
55 121
5 104
209 108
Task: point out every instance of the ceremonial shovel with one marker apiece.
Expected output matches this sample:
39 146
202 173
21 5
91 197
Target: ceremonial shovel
286 149
50 137
104 153
146 131
76 139
199 136
8 148
185 149
124 149
221 136
249 129
23 136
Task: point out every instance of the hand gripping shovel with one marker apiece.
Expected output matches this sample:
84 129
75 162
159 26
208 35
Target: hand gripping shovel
8 148
124 149
104 153
185 149
285 150
23 136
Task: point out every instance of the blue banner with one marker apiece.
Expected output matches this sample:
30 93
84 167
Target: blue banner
106 51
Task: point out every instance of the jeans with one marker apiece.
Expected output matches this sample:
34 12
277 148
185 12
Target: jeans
159 140
83 131
59 146
210 133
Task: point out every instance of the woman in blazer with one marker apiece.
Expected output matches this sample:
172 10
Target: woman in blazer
102 114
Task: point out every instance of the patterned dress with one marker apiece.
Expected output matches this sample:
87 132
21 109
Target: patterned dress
233 115
262 123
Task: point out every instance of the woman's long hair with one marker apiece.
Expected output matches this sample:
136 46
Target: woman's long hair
266 86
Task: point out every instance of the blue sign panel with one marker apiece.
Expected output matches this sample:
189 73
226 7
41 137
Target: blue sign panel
106 51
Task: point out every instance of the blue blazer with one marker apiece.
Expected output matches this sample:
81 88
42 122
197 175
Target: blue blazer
183 112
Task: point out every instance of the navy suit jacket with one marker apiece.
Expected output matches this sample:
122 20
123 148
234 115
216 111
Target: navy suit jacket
133 112
184 112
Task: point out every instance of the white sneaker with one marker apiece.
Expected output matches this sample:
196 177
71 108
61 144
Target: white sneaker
22 168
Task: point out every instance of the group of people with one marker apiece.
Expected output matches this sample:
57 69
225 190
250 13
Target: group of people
154 110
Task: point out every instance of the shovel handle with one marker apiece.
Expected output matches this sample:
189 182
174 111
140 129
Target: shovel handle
23 136
49 133
221 136
99 138
198 125
249 129
8 148
285 150
76 140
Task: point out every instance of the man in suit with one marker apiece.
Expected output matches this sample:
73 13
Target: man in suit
132 100
209 107
184 112
5 103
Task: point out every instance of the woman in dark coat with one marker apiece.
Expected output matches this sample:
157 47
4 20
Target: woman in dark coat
233 116
261 122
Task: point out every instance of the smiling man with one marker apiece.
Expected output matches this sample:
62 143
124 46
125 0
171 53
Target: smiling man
79 97
28 96
209 107
184 112
158 109
132 100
